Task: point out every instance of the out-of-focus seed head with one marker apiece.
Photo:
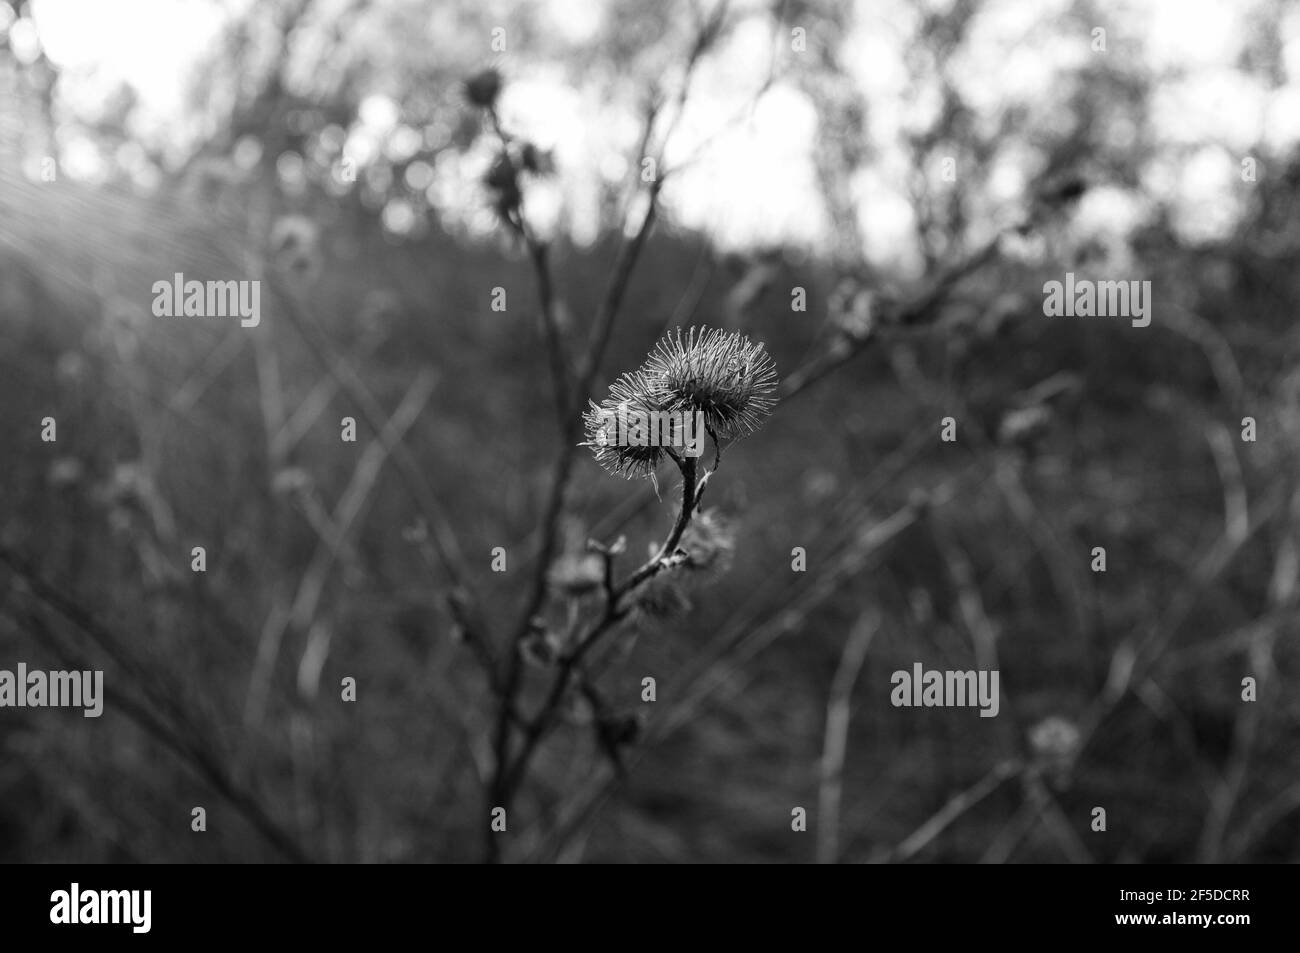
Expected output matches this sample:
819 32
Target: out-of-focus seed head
577 573
295 245
535 160
503 179
709 543
483 88
1053 738
662 597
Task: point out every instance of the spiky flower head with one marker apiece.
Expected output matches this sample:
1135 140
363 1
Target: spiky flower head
631 394
724 375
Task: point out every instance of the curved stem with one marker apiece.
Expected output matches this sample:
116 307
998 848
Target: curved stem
537 729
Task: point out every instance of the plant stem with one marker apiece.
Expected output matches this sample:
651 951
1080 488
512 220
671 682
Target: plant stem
508 781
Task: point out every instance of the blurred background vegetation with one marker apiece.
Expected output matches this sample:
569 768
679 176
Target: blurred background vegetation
329 150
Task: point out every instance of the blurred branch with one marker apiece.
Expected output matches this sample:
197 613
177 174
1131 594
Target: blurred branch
1131 663
870 536
201 378
1236 515
970 604
270 394
195 751
297 425
539 256
1013 833
1264 820
1217 350
1245 736
613 613
741 640
440 532
155 684
352 503
836 736
1076 852
921 310
689 303
958 805
1062 562
1157 701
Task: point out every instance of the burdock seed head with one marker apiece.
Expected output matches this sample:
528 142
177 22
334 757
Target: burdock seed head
630 395
724 375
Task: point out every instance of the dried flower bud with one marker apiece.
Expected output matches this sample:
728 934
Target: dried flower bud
483 88
291 480
709 543
577 574
1063 191
539 647
662 596
65 471
502 175
503 179
417 531
619 730
295 245
534 160
1024 425
1055 744
852 310
1054 738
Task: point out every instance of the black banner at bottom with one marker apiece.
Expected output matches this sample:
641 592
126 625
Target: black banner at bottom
165 904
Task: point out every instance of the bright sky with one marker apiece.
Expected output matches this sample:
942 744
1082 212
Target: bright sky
755 182
150 44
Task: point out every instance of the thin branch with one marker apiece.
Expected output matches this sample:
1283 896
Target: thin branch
443 538
352 503
958 805
921 310
613 614
539 256
194 752
835 740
